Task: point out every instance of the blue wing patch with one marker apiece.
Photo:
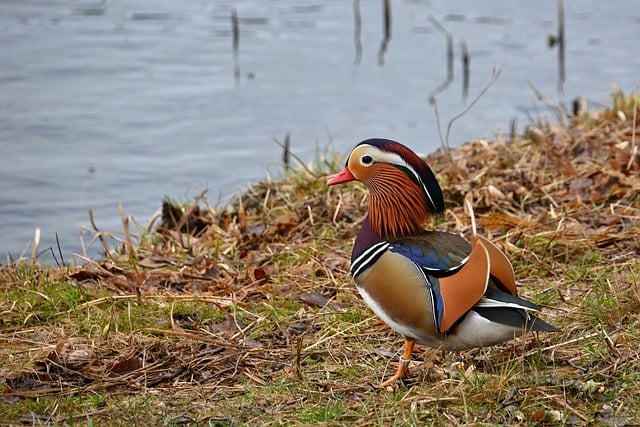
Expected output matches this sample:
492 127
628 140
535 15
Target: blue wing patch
438 253
438 302
427 259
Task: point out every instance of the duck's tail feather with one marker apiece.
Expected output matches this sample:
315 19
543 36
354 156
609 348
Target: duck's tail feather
515 317
504 308
494 298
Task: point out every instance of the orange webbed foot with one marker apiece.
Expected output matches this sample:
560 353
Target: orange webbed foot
403 367
401 373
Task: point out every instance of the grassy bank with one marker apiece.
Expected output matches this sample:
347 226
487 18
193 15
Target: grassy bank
248 315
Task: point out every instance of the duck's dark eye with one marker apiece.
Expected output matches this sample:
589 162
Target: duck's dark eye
366 160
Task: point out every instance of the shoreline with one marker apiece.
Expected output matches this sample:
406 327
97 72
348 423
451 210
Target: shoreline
247 314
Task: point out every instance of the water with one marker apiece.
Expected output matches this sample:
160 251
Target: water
129 101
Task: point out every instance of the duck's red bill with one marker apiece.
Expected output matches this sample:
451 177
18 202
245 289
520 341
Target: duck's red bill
344 176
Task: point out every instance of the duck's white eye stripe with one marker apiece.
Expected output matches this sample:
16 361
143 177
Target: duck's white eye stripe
384 157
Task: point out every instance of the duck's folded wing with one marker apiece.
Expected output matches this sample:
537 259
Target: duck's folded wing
438 253
501 268
457 273
462 290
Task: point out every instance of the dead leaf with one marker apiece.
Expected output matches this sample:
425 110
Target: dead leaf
313 298
126 366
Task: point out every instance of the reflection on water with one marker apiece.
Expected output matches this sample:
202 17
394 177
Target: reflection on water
129 101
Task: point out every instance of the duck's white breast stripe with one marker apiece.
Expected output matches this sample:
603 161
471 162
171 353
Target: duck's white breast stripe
367 258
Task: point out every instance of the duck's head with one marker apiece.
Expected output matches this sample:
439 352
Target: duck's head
403 191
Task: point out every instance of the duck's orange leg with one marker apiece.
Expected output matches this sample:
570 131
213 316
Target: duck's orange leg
403 367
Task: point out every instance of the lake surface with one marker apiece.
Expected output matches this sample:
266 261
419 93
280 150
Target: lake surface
129 101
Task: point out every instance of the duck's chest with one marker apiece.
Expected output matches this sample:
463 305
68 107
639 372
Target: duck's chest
398 292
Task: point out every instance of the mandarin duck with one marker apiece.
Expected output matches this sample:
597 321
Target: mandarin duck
433 287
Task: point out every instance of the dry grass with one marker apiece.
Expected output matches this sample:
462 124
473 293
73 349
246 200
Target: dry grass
247 315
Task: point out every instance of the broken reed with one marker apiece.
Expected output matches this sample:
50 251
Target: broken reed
235 30
386 26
